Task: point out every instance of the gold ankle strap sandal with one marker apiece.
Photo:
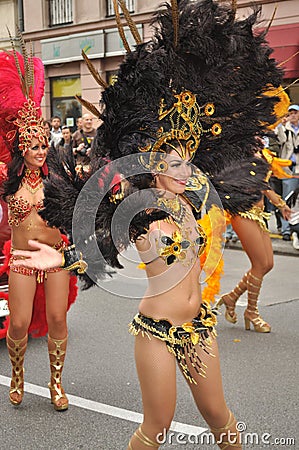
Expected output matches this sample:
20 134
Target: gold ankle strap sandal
230 299
58 394
230 430
58 397
251 314
145 440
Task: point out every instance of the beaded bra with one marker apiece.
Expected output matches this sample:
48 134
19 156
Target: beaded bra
20 209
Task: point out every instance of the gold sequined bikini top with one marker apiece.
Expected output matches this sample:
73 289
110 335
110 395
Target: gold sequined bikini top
20 208
174 248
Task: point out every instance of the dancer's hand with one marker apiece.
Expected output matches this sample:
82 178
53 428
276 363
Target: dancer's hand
44 257
286 212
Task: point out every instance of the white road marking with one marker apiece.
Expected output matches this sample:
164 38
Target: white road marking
113 411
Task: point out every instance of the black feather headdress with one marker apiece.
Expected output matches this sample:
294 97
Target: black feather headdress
201 53
223 61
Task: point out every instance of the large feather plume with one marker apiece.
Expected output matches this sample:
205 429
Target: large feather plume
201 46
13 95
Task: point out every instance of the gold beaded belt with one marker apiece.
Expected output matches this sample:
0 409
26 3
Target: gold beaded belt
41 275
181 340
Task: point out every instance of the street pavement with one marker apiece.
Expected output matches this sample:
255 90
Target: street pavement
260 372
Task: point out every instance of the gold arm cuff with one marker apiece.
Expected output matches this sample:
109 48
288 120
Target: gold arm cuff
280 204
79 265
71 261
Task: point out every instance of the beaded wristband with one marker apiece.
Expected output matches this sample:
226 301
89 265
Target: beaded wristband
280 204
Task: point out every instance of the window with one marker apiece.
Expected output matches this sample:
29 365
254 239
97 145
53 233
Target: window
110 9
60 12
64 104
21 15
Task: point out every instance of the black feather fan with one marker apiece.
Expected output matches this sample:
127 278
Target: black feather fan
224 61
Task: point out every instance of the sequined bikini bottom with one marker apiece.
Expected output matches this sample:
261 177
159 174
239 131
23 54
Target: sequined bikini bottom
41 275
257 214
181 340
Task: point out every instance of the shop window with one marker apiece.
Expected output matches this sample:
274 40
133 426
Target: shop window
60 12
130 4
63 101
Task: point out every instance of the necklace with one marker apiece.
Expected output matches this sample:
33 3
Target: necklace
32 180
174 208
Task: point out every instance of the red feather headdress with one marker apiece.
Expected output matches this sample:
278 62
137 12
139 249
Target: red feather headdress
21 91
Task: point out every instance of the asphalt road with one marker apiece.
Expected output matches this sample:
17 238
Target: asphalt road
260 374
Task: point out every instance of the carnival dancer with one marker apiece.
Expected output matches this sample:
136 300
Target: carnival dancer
181 98
252 231
38 299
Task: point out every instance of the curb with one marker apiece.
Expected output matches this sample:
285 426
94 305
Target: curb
280 247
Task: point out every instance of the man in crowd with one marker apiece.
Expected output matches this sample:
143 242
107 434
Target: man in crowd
65 145
56 133
82 143
79 123
288 136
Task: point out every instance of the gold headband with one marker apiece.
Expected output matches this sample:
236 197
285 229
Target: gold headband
185 125
30 126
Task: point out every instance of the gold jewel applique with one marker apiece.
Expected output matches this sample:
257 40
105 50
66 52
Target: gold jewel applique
175 247
180 123
174 208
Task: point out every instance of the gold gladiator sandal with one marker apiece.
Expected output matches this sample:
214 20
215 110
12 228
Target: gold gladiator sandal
139 434
230 432
57 349
251 314
230 299
16 350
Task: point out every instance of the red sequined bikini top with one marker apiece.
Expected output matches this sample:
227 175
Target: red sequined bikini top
20 208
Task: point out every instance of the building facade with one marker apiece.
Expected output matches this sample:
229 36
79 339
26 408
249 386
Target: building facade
60 29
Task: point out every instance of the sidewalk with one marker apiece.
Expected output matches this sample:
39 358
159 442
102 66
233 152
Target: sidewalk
280 247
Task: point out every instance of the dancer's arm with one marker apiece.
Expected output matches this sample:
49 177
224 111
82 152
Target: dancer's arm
279 203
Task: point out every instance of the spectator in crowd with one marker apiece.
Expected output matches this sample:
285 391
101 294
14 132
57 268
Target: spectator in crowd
288 136
294 220
79 123
82 143
65 145
230 234
47 127
56 133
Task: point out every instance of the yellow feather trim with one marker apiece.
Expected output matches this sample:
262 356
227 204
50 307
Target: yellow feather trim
281 107
277 164
212 258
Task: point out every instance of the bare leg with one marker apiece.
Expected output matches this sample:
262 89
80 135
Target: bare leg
156 369
21 295
209 398
256 243
56 288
